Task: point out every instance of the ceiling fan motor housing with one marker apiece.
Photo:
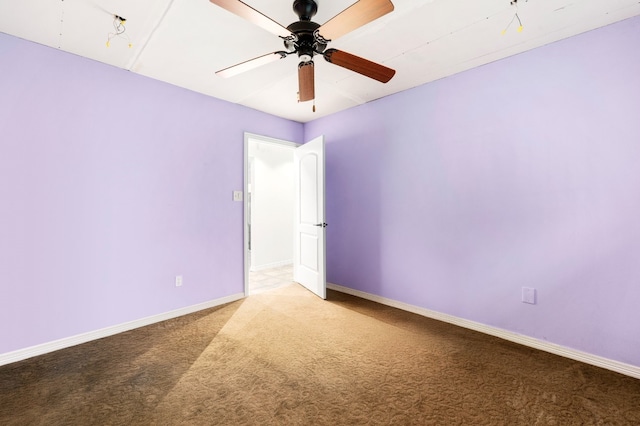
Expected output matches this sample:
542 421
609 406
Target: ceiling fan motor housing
305 42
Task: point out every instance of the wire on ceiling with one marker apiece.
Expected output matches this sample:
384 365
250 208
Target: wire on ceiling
515 16
119 28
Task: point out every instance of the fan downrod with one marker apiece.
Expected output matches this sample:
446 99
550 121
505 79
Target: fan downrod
305 9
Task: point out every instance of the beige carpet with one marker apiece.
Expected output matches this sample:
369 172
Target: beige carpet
287 357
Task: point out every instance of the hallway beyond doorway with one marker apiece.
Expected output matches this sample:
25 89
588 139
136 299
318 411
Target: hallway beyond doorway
268 279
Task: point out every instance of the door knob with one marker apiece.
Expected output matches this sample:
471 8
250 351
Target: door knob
324 225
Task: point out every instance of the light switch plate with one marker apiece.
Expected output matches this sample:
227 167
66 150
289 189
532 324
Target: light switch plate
529 295
237 195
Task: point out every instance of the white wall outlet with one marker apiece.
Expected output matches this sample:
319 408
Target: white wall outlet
237 195
178 280
529 295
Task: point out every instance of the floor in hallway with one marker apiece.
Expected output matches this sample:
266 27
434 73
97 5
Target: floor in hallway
268 279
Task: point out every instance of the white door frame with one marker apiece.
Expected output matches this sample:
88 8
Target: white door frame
245 198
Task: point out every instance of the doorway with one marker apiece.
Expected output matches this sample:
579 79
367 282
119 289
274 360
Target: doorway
269 213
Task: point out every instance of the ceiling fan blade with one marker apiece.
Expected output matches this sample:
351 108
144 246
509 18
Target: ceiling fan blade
358 14
359 65
245 11
306 86
251 64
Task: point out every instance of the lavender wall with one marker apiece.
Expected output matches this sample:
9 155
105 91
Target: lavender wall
451 196
524 172
110 185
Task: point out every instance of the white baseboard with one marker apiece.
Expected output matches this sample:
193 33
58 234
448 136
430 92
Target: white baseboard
271 265
44 348
587 358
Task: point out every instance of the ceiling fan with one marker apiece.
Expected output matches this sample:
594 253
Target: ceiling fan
307 38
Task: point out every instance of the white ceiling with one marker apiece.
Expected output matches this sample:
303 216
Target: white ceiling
183 42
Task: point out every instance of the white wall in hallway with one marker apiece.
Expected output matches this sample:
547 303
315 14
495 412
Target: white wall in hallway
271 204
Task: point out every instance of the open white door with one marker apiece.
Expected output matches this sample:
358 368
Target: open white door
309 266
